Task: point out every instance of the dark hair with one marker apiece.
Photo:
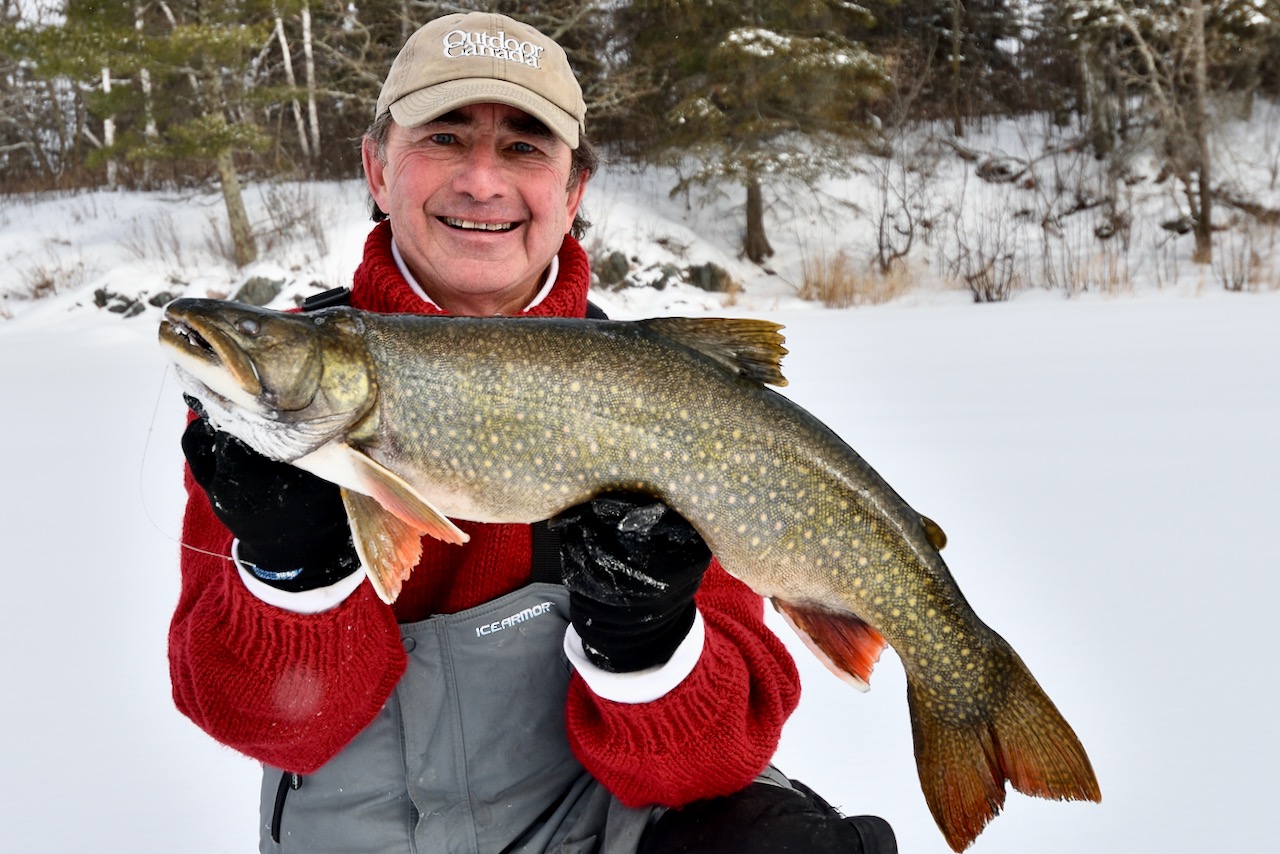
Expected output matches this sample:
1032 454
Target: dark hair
584 162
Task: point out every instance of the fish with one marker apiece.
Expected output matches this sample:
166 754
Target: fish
423 420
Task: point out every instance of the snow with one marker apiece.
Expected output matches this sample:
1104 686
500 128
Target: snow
1104 467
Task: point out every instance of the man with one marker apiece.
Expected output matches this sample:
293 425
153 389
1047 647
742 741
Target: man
543 688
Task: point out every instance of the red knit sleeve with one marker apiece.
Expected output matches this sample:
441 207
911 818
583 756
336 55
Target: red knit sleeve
287 689
715 731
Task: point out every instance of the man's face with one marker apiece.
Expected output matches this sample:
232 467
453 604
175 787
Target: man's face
479 203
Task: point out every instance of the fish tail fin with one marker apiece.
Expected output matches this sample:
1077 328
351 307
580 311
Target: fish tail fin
964 760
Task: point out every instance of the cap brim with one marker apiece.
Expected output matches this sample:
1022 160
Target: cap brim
422 106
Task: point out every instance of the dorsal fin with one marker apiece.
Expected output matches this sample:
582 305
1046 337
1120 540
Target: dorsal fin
752 349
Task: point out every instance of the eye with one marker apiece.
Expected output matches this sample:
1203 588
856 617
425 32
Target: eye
523 148
443 138
248 327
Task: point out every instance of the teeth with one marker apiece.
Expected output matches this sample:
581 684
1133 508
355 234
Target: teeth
478 226
192 337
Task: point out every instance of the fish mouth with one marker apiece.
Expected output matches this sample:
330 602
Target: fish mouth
207 352
459 224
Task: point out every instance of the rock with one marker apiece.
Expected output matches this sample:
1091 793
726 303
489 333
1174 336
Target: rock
668 274
1000 170
612 269
258 291
711 277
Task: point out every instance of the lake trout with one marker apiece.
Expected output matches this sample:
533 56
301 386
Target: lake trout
422 420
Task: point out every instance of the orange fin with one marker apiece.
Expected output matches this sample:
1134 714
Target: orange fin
388 547
848 646
400 499
964 761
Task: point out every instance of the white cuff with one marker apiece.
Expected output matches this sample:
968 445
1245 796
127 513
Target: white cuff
304 601
640 686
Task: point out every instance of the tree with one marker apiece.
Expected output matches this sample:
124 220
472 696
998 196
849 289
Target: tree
36 147
961 51
747 93
1161 51
202 50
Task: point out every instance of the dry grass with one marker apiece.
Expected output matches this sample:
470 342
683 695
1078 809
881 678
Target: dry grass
836 282
1244 257
52 276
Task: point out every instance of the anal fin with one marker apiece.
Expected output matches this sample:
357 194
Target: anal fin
847 645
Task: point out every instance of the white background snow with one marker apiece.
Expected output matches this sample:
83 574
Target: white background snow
1105 467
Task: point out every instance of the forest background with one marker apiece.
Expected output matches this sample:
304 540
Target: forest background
756 96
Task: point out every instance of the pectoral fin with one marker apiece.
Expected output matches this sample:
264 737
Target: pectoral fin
400 499
387 515
845 644
388 547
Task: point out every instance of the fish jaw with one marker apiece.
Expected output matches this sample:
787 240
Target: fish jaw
210 362
285 384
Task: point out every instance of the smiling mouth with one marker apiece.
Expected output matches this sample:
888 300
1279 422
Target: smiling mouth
470 225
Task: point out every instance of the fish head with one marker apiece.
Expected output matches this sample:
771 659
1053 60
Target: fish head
283 383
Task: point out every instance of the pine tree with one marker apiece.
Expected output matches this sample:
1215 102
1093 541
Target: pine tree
164 82
962 52
746 93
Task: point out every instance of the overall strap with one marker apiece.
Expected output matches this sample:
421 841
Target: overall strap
325 299
546 555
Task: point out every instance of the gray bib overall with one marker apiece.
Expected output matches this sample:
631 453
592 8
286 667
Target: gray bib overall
469 754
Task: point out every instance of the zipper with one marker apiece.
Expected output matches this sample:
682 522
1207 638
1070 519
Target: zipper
288 780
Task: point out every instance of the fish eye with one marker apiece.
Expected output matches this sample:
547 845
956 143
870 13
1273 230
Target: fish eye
249 326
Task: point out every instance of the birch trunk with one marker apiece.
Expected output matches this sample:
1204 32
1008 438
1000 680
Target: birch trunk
957 117
313 114
293 84
109 133
1200 131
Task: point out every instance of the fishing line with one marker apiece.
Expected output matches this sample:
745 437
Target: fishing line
142 472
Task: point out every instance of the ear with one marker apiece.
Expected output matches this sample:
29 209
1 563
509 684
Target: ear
374 172
574 199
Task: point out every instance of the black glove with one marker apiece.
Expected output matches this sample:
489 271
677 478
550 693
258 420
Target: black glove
631 565
292 525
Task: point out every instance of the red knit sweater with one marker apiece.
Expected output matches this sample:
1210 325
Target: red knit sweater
292 689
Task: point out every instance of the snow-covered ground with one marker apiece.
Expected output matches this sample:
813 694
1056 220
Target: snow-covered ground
1105 468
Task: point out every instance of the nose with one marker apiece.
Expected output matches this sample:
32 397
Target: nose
480 174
